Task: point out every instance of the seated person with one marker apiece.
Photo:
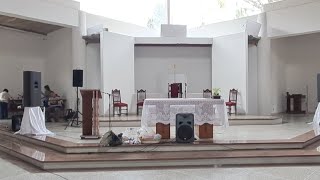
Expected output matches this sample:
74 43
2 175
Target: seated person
48 93
4 101
50 107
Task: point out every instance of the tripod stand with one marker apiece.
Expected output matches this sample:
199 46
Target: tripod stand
75 116
109 115
109 111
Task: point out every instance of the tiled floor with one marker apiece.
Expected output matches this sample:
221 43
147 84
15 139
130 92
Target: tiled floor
14 169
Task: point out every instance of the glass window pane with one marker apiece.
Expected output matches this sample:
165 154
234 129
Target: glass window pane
145 13
195 13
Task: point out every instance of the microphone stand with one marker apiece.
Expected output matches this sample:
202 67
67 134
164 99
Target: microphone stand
109 116
109 111
185 90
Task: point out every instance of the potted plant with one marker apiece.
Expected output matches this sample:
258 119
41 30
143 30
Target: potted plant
216 93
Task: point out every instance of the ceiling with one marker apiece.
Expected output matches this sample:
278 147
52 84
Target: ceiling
27 25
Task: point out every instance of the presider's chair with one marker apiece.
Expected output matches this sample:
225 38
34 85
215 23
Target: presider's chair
116 100
233 98
207 93
141 96
175 90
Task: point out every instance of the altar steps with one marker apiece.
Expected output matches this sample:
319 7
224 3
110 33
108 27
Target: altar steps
46 158
64 146
57 154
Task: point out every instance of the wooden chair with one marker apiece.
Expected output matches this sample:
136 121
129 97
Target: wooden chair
141 96
233 98
207 93
116 101
175 90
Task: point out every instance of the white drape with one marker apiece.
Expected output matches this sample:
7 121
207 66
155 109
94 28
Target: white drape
316 121
33 122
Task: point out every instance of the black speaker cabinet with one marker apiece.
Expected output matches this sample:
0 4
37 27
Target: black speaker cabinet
31 89
77 78
16 123
184 128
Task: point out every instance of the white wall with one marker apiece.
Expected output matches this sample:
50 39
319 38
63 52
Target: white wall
119 26
222 28
51 55
117 63
299 65
278 79
61 12
20 51
293 17
58 68
230 67
93 66
153 64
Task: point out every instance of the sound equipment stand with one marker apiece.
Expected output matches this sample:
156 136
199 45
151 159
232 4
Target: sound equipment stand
75 116
109 111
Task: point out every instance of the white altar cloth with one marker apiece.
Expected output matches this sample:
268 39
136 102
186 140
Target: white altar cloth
205 110
33 122
316 121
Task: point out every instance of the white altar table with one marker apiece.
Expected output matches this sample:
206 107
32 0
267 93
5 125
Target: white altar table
205 110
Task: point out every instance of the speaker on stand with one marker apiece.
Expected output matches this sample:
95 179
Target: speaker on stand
77 82
31 89
31 95
184 128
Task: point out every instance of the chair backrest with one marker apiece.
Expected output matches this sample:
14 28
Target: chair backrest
141 95
207 93
175 90
233 95
116 96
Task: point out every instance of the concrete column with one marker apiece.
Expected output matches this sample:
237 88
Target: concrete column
264 69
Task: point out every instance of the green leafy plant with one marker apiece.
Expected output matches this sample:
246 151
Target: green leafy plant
216 91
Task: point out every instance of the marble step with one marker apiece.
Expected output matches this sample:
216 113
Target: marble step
65 146
46 158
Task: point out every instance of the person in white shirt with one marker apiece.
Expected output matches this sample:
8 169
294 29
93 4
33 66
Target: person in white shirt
4 101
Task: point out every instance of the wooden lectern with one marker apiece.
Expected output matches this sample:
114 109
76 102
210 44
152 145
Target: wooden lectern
90 109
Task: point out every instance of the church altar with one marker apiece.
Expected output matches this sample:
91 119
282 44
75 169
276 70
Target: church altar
164 110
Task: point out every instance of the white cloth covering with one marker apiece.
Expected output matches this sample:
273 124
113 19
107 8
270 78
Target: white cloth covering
316 121
33 122
205 110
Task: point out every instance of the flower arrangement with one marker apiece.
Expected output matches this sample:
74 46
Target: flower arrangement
216 93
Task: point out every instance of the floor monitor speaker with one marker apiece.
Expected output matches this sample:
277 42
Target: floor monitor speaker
184 128
31 89
16 122
77 78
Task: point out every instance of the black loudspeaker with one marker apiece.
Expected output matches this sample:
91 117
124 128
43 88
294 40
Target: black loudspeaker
16 123
184 128
77 78
31 89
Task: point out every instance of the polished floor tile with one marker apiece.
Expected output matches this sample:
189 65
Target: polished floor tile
16 170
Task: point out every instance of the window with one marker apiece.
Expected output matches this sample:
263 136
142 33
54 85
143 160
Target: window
195 13
147 13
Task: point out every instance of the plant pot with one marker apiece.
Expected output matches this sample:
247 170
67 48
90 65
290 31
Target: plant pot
216 97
